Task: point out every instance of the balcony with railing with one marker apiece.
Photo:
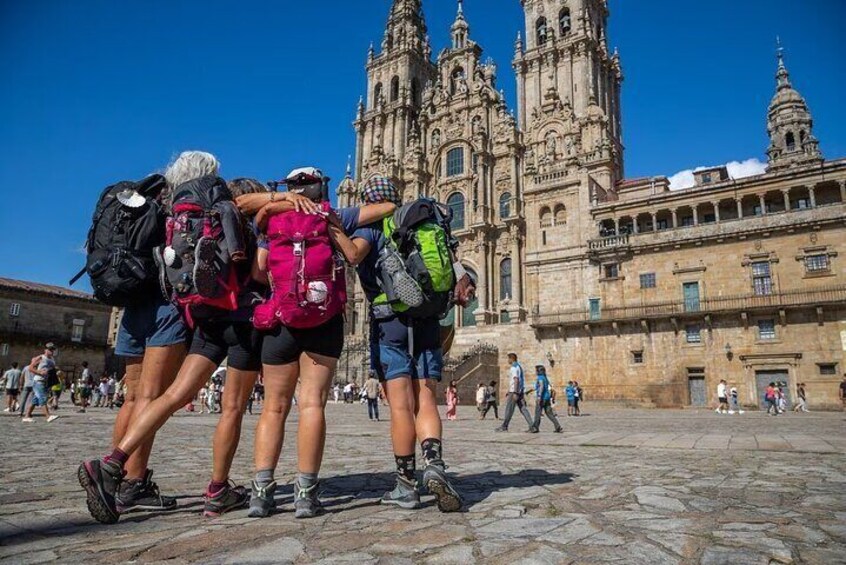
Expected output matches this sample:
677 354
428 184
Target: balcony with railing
804 298
65 336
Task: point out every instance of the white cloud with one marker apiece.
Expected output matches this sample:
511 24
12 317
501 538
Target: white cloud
736 169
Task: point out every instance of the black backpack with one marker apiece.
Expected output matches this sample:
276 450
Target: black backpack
121 242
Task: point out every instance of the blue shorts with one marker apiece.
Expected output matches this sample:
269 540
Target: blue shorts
389 349
39 394
155 323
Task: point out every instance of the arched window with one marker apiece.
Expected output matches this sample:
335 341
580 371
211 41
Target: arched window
395 89
468 313
790 141
456 80
505 279
455 202
377 93
565 22
542 31
505 205
560 215
455 162
545 217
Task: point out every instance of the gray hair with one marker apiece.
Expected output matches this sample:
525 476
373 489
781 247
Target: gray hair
191 165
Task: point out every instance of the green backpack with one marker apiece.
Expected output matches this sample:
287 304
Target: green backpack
416 266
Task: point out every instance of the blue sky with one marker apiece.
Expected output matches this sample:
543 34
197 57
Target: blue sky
96 91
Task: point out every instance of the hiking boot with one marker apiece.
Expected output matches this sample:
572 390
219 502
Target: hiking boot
101 480
262 500
306 502
501 429
436 481
559 430
142 494
533 430
205 269
407 289
404 494
230 497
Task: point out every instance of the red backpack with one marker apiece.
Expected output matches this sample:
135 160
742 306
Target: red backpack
307 275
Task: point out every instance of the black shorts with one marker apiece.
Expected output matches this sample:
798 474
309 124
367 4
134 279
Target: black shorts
13 392
724 400
239 341
285 345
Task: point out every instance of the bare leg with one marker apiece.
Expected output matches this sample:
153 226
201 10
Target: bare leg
158 371
427 418
195 371
131 378
280 383
316 373
239 385
401 399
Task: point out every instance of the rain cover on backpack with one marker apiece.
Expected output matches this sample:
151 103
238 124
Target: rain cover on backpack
307 276
205 237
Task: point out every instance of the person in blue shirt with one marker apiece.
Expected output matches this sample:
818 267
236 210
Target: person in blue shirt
571 398
543 395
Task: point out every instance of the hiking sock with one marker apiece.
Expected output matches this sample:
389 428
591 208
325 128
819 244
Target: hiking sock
117 456
264 477
406 466
216 486
306 480
432 450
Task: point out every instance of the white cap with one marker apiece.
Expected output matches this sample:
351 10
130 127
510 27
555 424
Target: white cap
305 172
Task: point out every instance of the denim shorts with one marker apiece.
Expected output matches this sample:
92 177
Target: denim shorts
390 349
154 323
39 394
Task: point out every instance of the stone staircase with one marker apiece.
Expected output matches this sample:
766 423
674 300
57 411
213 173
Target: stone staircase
473 365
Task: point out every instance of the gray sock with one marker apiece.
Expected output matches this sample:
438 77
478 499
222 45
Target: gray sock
306 480
264 477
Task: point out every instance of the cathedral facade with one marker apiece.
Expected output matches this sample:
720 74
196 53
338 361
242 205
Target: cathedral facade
643 294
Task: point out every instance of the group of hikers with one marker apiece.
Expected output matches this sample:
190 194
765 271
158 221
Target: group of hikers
208 270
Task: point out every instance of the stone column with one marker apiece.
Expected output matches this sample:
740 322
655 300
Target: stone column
786 194
716 206
763 204
695 214
813 195
654 221
617 225
635 229
739 207
675 217
843 191
516 266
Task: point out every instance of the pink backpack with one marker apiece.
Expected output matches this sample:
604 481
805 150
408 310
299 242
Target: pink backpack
307 276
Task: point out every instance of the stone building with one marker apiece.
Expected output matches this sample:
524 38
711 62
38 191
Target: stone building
643 294
33 314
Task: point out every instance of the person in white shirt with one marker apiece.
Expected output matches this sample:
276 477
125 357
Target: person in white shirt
41 367
12 378
481 400
516 395
722 396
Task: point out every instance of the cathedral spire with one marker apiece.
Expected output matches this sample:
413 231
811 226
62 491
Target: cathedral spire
460 29
406 28
790 124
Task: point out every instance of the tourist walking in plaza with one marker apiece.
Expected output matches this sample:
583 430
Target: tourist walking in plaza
373 390
722 398
43 368
481 400
577 399
734 402
801 399
83 387
570 393
516 397
27 376
771 399
543 401
12 379
452 401
493 401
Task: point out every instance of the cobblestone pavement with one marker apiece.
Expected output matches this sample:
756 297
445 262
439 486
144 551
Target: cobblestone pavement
619 486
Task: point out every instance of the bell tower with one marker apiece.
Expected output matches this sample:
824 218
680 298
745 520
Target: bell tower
566 74
388 115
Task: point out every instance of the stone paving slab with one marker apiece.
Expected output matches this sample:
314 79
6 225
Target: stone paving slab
619 486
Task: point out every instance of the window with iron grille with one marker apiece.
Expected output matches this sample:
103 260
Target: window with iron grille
762 280
828 368
817 263
766 329
647 280
637 357
78 330
15 310
4 350
693 333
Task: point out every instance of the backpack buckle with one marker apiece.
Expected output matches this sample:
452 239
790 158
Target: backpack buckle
298 248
